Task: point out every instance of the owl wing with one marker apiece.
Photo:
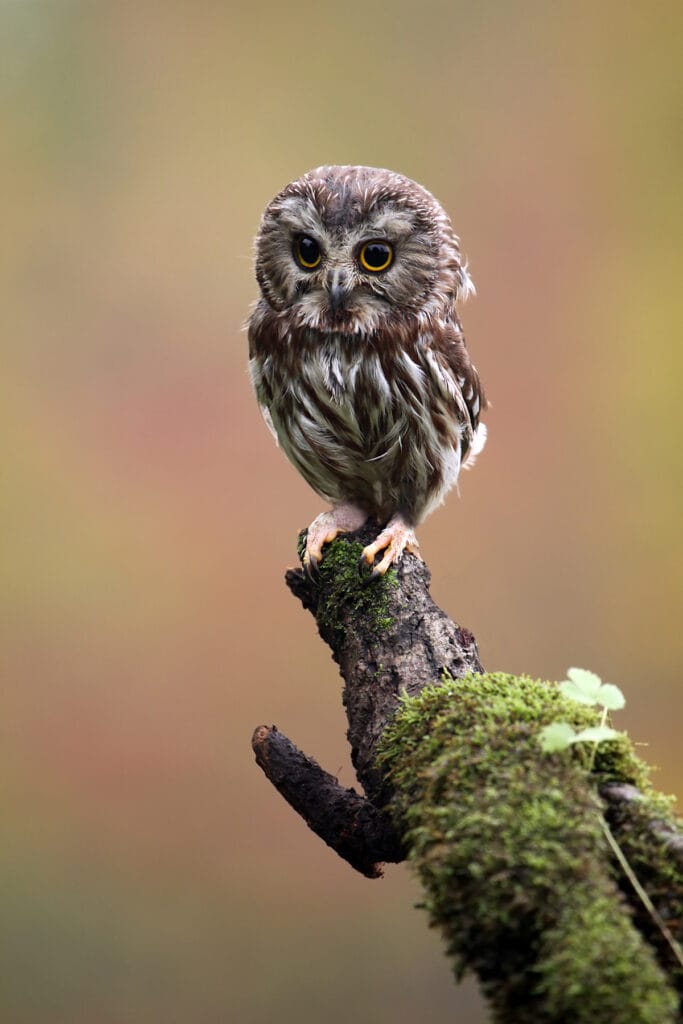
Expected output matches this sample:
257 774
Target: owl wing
470 401
268 419
263 398
260 365
262 389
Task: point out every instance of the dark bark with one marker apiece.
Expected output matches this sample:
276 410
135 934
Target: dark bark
379 665
623 802
355 829
390 640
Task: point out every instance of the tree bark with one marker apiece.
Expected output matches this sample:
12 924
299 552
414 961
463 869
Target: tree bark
400 656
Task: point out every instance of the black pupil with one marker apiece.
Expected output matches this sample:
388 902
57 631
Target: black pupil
309 250
376 254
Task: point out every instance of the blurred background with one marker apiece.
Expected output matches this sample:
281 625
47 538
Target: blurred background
148 872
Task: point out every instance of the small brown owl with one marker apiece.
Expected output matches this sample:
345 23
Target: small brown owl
357 355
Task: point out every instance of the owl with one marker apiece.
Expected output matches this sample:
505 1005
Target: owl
357 355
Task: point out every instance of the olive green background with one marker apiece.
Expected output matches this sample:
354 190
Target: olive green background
148 873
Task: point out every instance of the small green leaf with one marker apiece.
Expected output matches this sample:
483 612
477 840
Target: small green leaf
611 697
587 688
556 736
573 692
582 686
596 734
588 681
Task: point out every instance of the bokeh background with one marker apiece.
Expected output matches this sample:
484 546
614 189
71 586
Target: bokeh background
148 872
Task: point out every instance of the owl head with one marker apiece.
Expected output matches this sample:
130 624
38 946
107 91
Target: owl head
350 248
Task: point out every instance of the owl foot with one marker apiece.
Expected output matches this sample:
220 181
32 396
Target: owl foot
324 528
394 539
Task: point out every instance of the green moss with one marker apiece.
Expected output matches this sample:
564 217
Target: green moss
508 844
641 826
345 586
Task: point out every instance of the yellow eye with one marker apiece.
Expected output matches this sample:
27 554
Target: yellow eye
376 256
307 252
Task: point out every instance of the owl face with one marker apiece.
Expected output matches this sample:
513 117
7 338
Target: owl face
348 248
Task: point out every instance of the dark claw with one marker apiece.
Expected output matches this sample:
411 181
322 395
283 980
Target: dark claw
312 570
368 577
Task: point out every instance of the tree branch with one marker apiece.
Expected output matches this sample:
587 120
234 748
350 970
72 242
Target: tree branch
505 838
358 831
388 637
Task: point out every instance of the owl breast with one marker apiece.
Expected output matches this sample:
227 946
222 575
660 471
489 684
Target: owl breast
374 420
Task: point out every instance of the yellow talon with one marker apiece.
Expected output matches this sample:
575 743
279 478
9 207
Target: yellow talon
394 539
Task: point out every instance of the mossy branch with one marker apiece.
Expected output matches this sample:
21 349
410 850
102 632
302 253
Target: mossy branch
507 840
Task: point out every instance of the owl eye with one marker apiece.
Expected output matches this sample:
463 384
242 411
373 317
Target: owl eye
307 252
376 256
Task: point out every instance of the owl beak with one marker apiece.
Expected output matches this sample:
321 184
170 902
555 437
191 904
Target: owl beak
338 291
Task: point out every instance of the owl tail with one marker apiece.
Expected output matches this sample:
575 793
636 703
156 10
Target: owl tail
478 442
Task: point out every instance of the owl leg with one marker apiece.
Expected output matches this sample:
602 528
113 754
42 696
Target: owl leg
342 518
394 539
